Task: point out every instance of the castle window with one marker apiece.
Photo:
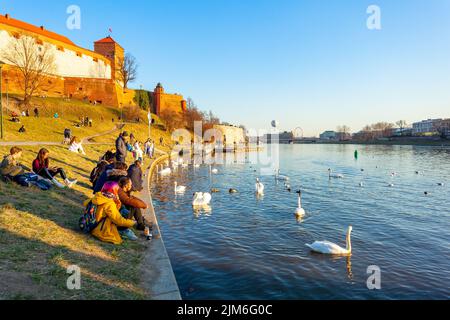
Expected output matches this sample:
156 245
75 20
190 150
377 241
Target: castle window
80 89
95 59
60 48
79 54
16 35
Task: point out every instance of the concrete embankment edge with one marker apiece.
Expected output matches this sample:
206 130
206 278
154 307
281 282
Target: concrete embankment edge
157 274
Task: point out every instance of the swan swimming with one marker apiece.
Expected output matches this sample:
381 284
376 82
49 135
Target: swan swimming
440 184
334 176
201 199
259 187
300 212
179 189
213 171
326 247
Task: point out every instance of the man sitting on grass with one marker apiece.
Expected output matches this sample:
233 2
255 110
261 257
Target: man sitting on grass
12 170
10 167
133 207
135 174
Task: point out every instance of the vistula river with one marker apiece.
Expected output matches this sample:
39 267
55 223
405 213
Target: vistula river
251 248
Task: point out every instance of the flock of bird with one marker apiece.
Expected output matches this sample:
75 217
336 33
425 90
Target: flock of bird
203 200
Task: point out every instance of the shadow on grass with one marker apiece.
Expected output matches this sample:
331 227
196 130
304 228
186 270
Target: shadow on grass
41 239
38 270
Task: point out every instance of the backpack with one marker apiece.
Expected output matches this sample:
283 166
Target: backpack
97 171
88 221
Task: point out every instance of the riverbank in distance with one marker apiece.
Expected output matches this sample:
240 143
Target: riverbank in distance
389 142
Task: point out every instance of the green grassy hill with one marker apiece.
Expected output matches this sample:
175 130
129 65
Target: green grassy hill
47 128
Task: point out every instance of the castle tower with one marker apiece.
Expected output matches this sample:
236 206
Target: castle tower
109 48
157 98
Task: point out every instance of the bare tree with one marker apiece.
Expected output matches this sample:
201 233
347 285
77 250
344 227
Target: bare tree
402 124
343 132
127 69
33 60
383 129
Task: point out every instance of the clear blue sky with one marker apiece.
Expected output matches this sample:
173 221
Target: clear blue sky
310 63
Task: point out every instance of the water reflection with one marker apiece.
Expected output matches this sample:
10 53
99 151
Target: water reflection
259 251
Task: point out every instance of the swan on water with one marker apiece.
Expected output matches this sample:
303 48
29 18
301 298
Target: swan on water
361 184
440 184
300 212
165 171
213 171
326 247
232 190
280 177
259 187
334 176
201 199
179 189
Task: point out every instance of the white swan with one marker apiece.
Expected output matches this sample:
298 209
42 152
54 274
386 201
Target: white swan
281 177
334 176
391 185
179 189
326 247
361 184
300 212
259 187
213 171
201 199
165 171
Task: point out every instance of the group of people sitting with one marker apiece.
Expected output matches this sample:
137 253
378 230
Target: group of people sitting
42 174
113 184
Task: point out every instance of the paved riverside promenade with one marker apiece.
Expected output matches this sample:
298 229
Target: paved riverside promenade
158 278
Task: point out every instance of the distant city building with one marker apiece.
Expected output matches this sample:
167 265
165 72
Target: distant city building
425 127
283 137
399 132
328 135
443 127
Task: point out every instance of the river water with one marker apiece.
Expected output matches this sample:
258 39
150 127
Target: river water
254 248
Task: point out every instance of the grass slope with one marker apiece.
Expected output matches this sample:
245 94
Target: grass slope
39 239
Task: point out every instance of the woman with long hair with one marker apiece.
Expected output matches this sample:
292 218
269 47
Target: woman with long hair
41 166
76 146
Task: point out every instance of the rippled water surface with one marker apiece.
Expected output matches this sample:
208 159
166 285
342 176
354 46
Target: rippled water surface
249 248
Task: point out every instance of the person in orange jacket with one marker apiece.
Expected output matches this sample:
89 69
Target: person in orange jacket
108 215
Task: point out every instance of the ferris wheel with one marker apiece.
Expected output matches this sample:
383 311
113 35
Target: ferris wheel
298 133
